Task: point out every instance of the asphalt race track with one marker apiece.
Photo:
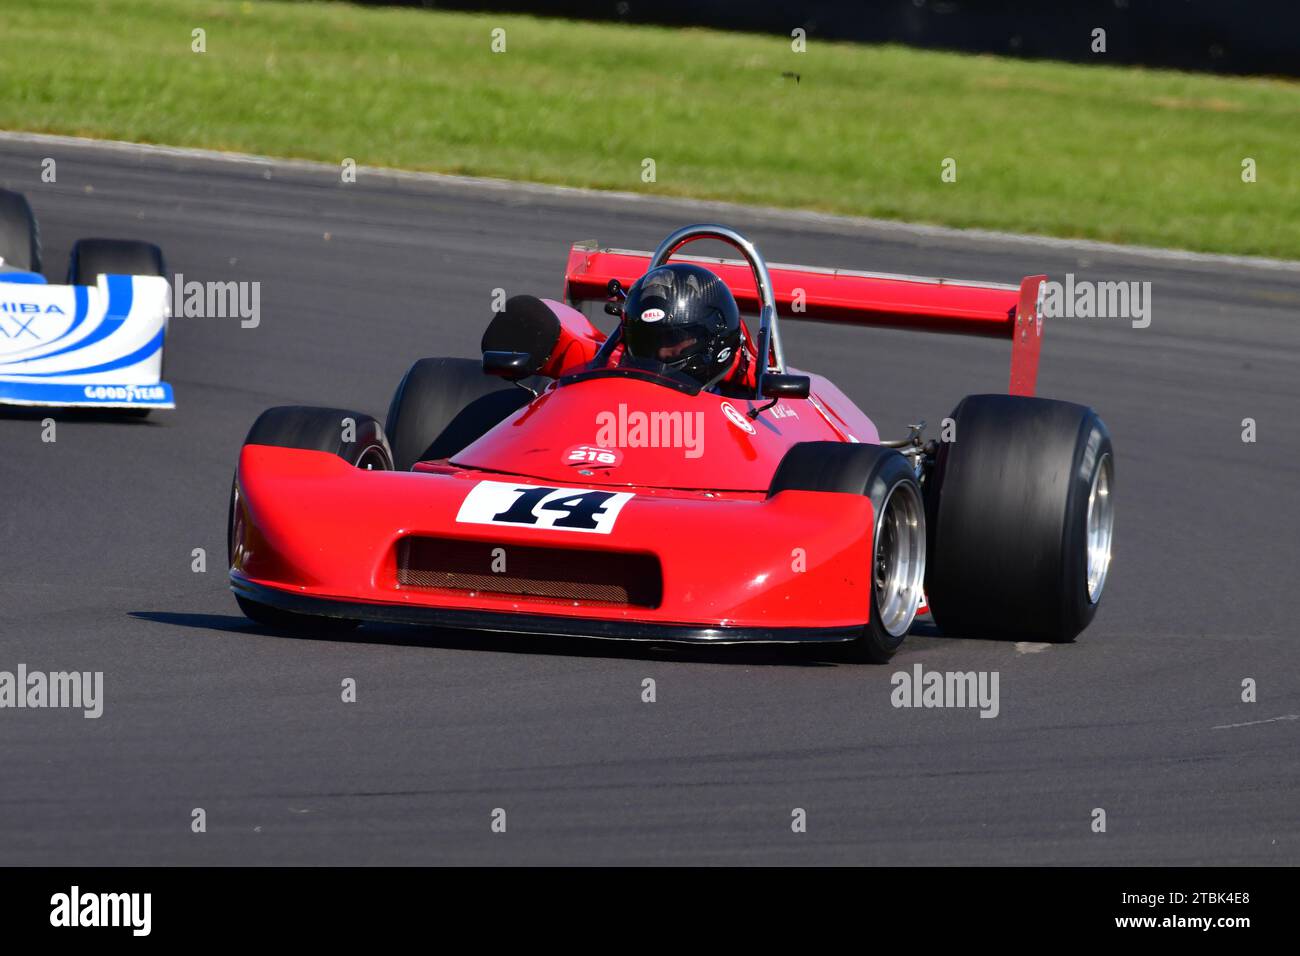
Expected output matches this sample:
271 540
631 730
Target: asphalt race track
1142 717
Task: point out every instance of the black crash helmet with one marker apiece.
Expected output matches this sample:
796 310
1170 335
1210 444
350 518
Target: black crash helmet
684 317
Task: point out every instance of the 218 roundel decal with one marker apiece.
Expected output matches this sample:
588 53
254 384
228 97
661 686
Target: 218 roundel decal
543 506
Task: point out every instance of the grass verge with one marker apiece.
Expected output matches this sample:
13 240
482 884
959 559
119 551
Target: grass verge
1117 154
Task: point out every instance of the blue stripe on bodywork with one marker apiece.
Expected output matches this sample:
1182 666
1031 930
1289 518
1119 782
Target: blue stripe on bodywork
82 296
22 278
139 355
121 292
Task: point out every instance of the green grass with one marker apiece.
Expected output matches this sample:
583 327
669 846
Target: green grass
1125 155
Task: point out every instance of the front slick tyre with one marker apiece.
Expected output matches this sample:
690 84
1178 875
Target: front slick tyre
356 438
898 538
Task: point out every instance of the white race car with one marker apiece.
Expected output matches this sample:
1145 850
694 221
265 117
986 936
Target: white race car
96 342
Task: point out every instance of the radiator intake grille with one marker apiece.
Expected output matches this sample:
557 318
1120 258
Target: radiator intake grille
548 574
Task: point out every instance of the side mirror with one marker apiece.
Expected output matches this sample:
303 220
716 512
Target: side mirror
617 296
780 385
512 366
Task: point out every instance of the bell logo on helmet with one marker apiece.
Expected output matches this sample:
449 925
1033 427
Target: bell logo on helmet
652 315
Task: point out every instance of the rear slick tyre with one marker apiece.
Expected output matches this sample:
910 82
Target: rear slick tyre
20 238
442 405
1021 519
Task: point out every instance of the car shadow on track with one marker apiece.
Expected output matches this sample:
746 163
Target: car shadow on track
790 655
105 416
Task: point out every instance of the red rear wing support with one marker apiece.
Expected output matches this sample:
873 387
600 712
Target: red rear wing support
858 298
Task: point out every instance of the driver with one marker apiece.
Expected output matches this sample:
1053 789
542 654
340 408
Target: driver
684 317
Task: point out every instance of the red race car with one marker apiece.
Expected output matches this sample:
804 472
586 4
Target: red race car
576 483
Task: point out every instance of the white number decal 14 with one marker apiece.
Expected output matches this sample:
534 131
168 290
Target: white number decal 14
543 506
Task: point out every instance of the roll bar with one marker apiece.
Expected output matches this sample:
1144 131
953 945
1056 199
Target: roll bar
769 333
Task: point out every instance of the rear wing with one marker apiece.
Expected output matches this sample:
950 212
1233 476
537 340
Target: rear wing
858 298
